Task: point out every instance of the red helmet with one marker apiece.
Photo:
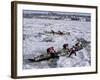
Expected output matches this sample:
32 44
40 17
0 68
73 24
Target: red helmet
48 49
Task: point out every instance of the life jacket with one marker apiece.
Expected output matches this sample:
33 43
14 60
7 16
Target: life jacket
65 50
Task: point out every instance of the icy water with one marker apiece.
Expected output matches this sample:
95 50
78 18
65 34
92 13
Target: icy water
36 41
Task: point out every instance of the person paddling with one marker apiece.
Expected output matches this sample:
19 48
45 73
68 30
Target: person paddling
78 46
72 51
52 52
64 50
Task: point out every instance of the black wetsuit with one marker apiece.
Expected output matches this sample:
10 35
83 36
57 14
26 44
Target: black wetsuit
72 52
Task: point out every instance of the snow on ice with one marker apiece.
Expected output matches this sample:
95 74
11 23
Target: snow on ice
36 41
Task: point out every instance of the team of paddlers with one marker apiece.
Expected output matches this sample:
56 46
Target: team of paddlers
58 32
65 51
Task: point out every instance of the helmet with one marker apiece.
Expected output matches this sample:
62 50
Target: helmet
65 45
48 49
